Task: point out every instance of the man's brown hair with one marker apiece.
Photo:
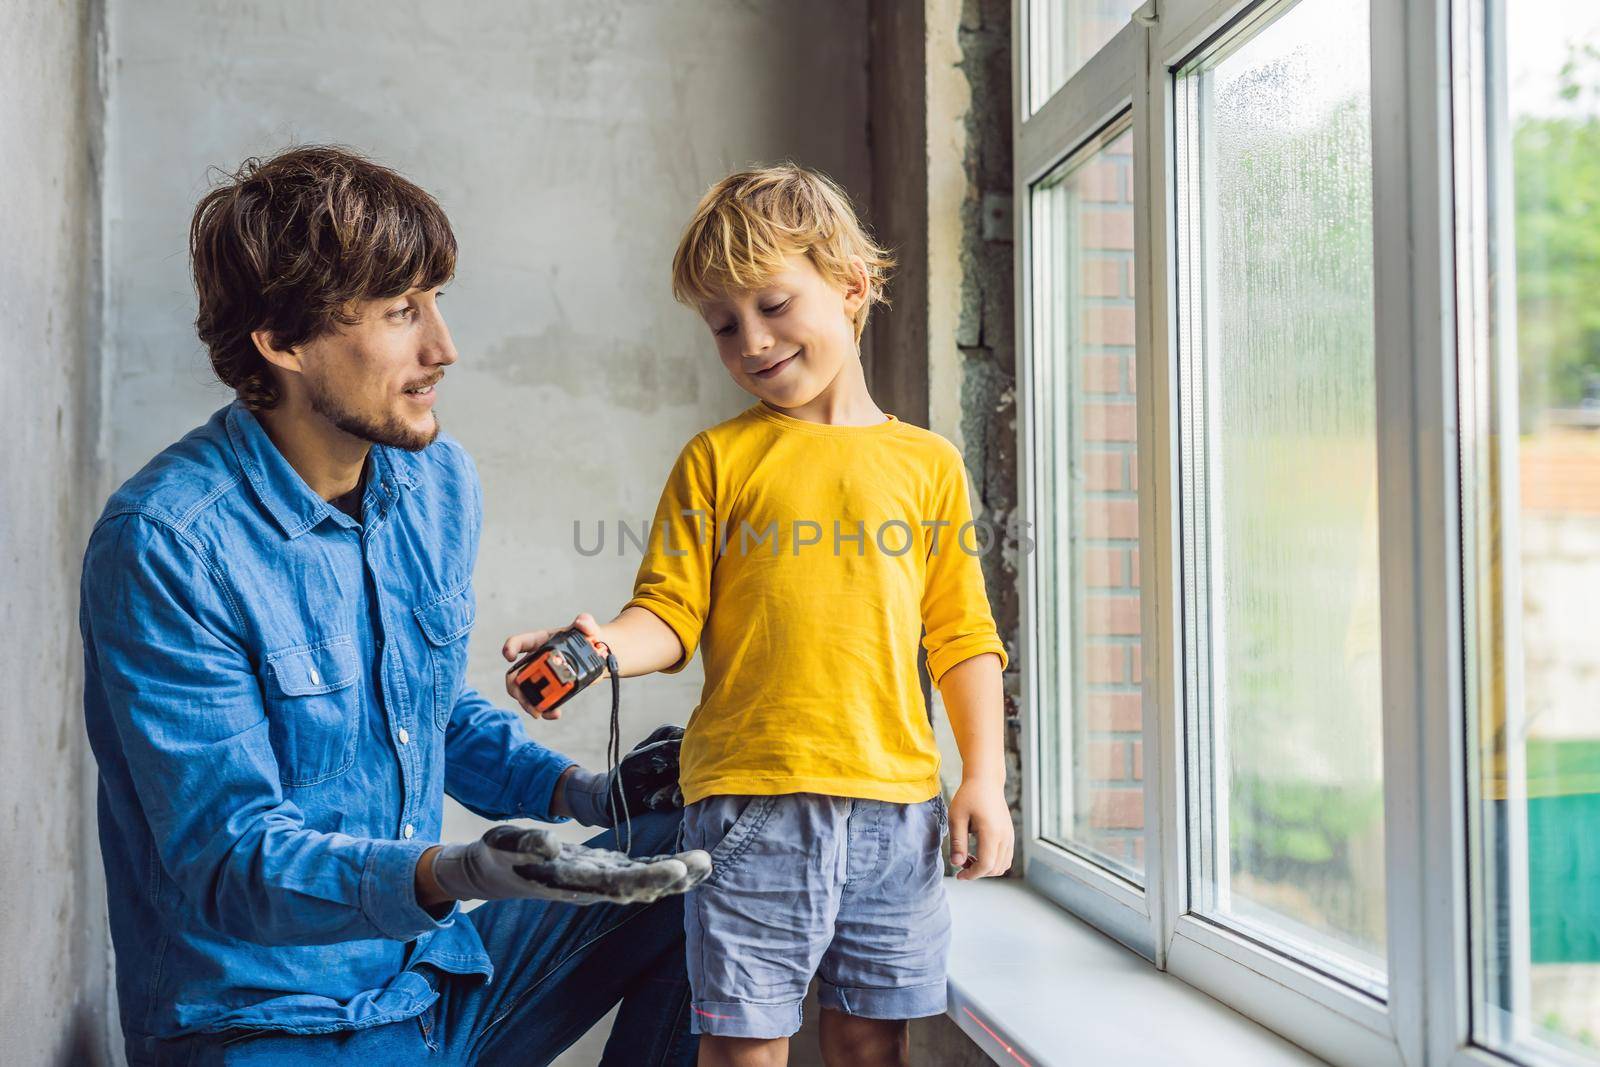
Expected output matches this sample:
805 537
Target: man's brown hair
286 244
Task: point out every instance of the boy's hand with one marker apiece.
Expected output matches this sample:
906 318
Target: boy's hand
979 807
519 645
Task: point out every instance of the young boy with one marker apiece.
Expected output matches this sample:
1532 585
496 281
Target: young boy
805 546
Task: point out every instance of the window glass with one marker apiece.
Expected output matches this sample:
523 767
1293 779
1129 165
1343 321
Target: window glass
1092 764
1279 487
1536 532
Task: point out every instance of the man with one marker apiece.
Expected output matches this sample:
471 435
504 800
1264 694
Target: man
275 621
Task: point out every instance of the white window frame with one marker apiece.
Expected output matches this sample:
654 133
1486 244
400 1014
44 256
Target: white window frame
1427 149
1107 88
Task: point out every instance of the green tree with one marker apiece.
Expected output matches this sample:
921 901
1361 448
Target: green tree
1556 175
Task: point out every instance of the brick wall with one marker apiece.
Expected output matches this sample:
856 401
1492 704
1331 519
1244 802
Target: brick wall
1108 744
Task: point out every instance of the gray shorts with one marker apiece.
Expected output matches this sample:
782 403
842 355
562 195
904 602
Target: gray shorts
805 884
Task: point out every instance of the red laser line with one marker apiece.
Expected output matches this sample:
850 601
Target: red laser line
998 1039
714 1015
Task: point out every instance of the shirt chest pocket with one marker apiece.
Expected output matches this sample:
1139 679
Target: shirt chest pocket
447 624
314 709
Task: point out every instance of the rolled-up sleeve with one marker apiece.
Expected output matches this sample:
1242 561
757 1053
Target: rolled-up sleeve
674 578
956 618
186 707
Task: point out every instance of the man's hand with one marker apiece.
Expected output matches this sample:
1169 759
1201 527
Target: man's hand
648 776
519 645
511 862
979 807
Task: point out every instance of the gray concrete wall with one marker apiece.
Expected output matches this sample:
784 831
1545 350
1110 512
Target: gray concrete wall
53 989
568 142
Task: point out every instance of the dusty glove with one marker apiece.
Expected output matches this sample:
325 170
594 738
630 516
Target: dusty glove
649 778
509 862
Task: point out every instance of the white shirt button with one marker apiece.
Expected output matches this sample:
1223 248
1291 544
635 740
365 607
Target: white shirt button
408 831
316 679
405 738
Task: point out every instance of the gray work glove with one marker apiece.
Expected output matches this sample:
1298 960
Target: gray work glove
509 862
648 776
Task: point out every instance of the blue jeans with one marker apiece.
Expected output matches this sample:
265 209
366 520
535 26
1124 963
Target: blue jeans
558 968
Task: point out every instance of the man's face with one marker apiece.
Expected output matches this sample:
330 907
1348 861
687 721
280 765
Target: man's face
786 341
376 379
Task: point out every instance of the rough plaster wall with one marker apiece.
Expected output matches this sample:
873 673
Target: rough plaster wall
986 329
971 352
52 991
949 187
569 143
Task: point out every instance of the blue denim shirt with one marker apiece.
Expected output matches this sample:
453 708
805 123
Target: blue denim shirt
276 697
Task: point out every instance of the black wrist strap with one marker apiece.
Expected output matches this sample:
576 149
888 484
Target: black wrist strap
615 795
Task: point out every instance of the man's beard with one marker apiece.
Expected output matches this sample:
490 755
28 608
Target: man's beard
388 430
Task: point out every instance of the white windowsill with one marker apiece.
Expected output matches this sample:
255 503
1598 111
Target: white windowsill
1030 984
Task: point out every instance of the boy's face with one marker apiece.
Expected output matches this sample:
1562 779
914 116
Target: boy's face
786 342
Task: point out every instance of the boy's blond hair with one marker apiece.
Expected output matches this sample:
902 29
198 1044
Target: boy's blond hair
750 221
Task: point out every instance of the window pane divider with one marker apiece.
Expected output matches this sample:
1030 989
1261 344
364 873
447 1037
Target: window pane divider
1414 194
1091 98
1185 26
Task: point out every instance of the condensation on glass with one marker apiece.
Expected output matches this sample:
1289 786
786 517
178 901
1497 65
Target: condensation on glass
1278 474
1063 34
1092 759
1530 391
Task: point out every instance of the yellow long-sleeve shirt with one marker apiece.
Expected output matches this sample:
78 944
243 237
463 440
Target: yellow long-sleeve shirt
805 561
